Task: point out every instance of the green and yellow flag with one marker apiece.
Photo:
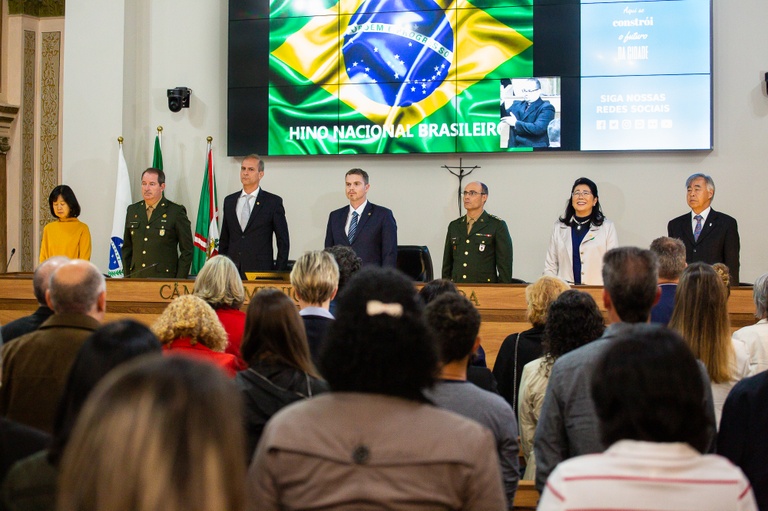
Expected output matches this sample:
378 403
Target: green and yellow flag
372 76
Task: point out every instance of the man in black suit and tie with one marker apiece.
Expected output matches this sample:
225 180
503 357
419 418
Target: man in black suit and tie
709 236
528 119
251 216
369 229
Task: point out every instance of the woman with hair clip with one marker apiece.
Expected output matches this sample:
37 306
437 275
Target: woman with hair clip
159 433
31 483
66 236
374 441
280 369
580 238
701 317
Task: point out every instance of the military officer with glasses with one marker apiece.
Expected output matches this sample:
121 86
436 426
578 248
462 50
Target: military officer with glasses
478 247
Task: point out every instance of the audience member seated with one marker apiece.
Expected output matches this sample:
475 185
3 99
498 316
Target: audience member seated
755 337
671 255
35 366
520 348
374 441
568 425
18 441
742 437
220 286
701 317
31 483
315 280
477 370
280 369
725 275
40 283
189 327
648 395
455 325
160 433
573 321
349 264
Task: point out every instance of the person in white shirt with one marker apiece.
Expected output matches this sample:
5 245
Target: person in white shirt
649 397
755 337
580 238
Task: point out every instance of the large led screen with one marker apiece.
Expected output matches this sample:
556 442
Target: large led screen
313 77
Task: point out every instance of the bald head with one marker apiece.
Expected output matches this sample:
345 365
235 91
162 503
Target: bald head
42 277
78 287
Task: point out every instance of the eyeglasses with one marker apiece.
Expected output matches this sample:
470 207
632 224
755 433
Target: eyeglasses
581 194
526 91
472 193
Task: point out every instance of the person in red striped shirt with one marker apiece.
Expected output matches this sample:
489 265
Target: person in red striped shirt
649 398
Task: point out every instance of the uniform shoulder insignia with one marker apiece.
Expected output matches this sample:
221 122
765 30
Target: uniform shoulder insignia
494 217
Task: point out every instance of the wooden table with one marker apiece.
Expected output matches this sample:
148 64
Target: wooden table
502 306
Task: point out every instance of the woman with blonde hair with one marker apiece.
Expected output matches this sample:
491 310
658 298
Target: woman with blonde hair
219 284
189 326
521 348
157 434
701 317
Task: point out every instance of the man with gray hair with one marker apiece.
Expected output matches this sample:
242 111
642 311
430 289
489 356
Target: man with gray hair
40 281
709 236
568 425
35 366
755 337
670 253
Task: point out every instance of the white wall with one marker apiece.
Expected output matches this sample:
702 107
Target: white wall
169 43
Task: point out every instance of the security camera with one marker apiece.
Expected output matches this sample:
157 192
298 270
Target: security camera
178 98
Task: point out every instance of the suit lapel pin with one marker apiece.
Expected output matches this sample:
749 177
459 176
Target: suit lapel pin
164 215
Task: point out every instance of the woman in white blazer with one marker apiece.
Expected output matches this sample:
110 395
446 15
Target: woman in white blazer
580 238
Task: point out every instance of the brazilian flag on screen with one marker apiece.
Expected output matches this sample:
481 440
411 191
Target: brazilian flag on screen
393 76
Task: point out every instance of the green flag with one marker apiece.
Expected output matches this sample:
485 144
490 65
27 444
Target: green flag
206 227
157 157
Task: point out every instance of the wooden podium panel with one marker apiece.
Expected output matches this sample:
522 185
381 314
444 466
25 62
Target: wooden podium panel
502 306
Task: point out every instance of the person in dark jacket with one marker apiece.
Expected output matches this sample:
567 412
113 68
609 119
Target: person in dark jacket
280 367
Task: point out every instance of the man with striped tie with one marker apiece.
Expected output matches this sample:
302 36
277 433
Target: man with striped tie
369 229
709 236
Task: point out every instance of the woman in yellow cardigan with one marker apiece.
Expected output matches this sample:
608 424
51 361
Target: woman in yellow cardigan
66 236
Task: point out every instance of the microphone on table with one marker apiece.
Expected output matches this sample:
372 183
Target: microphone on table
13 252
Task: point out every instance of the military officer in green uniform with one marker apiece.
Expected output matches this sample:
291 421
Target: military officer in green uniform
478 248
154 228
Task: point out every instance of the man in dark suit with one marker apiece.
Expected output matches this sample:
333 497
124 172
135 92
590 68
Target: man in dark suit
369 229
671 255
251 216
709 236
154 228
529 119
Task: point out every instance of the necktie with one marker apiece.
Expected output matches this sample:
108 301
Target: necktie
469 224
149 212
245 213
352 227
697 230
